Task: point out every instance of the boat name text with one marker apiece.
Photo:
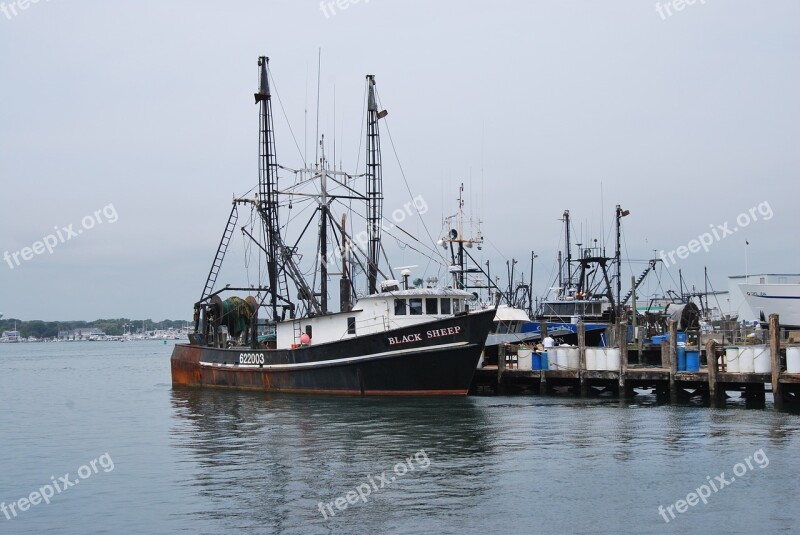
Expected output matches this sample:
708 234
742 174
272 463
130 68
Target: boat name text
417 337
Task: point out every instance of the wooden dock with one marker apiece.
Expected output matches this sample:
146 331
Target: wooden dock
669 384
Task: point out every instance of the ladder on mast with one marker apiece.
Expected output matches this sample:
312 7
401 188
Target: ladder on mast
639 281
221 250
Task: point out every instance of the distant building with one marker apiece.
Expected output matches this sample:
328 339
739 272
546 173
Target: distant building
81 334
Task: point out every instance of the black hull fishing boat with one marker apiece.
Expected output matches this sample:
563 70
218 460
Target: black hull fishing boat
415 360
393 339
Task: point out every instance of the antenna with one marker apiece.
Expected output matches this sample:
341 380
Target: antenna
319 75
602 218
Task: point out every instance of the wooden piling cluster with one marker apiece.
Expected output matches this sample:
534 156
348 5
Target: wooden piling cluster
668 383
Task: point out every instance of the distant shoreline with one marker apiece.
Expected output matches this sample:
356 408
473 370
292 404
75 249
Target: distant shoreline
16 330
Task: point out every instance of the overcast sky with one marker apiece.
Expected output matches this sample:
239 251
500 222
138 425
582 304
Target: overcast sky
686 118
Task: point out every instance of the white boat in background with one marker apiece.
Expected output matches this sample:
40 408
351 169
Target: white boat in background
756 297
507 327
10 337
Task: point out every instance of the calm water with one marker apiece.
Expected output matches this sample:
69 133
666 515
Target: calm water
218 461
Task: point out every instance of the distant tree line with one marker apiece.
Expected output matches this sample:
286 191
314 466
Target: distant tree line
113 327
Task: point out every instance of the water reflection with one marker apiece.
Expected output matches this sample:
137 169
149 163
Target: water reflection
267 460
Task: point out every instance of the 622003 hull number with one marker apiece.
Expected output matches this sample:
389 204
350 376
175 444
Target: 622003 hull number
251 358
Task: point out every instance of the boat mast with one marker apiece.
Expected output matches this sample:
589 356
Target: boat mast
620 213
374 186
458 253
323 230
268 181
569 251
461 274
280 259
344 283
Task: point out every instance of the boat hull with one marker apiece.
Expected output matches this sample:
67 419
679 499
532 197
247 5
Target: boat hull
432 358
567 333
767 299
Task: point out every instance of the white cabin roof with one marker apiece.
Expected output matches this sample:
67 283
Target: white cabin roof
507 313
420 292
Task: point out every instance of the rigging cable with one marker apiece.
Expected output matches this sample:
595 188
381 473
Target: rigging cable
405 180
285 116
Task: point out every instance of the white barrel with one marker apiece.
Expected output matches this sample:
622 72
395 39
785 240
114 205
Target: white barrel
762 359
600 358
732 359
591 357
793 359
561 358
573 358
746 360
524 358
613 359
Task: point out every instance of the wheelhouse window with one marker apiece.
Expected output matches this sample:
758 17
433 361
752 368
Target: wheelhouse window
415 306
400 307
351 326
446 305
458 305
431 305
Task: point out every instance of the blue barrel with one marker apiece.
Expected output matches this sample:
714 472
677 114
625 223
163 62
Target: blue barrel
693 361
537 361
544 360
681 359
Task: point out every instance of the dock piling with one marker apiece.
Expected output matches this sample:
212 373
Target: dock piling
711 359
501 367
673 360
622 331
584 385
775 355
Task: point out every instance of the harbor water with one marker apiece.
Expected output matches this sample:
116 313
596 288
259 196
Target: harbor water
147 458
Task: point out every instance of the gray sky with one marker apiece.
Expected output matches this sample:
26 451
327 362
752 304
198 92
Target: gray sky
687 120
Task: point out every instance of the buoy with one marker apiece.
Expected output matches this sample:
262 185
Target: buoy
304 338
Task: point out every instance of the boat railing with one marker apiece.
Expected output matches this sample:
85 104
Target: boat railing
381 322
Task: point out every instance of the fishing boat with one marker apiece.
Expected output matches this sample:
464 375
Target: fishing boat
10 337
394 339
589 290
